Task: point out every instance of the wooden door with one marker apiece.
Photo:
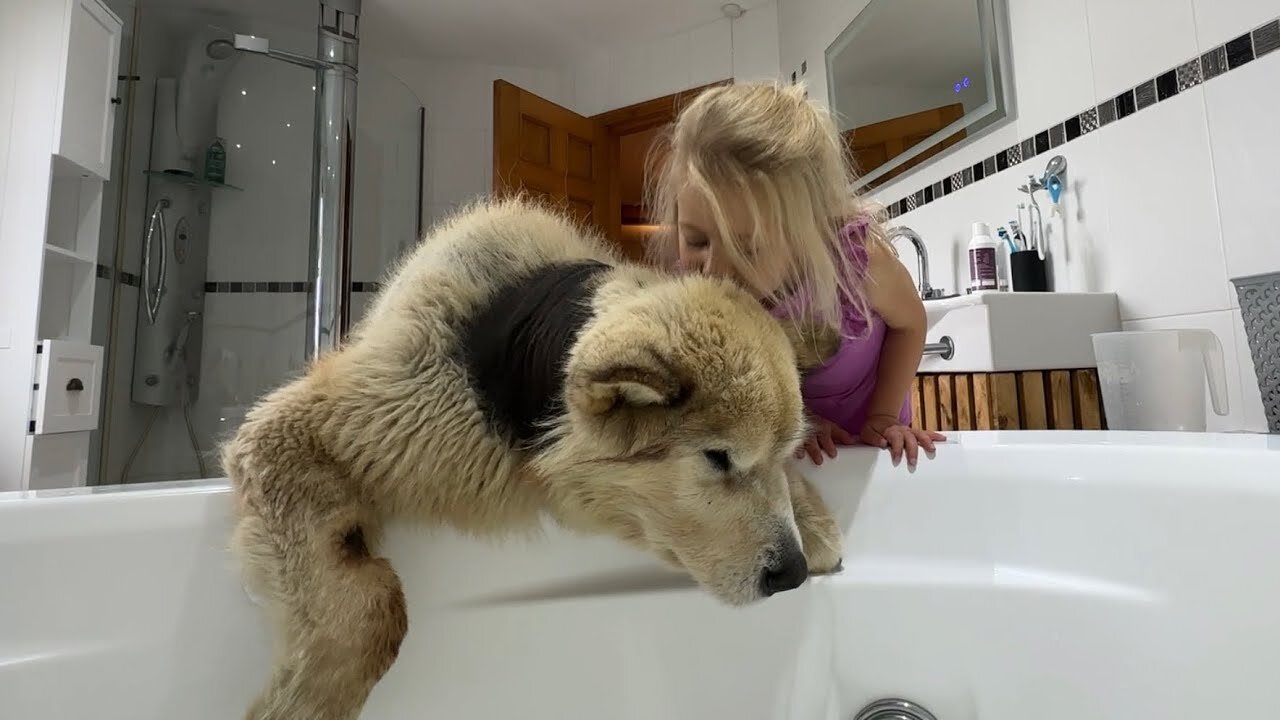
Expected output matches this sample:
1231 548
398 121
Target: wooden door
876 144
550 152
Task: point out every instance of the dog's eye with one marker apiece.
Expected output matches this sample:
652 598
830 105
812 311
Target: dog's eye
718 458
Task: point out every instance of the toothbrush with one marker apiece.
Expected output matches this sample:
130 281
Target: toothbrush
1037 230
1016 226
1005 234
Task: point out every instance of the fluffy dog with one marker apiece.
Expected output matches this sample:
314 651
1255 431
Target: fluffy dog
512 367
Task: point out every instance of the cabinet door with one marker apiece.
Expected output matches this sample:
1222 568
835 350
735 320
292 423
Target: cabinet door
93 53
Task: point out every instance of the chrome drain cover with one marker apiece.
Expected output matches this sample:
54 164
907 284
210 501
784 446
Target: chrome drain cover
894 709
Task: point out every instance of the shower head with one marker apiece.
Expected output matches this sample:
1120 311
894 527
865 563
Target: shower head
220 49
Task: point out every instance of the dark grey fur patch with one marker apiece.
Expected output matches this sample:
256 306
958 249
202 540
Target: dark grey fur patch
515 348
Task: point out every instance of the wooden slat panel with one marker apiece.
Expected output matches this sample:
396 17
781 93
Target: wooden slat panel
982 402
1061 415
964 402
917 411
1004 401
930 400
1033 411
1088 400
946 403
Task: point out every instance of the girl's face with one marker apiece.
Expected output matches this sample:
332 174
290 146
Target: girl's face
702 248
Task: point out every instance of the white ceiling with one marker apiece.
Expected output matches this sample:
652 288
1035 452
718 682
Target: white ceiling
530 33
534 33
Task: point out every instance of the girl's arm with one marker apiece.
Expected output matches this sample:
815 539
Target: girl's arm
893 296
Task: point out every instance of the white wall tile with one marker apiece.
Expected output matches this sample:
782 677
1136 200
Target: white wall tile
1243 106
1052 62
1163 256
1135 40
1218 21
1223 325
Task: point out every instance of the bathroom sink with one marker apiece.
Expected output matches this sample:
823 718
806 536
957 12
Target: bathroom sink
936 308
1006 331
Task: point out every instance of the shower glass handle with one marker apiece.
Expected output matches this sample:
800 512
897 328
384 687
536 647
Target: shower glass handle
152 295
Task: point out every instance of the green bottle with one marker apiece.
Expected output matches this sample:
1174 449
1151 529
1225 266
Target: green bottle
215 162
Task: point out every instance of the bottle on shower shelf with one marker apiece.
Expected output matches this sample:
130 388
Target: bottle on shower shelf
215 162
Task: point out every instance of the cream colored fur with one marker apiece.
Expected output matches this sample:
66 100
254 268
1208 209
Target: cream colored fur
390 427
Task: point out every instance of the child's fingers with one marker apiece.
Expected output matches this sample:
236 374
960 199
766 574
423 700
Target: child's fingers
923 439
894 441
938 437
912 448
811 447
842 436
824 440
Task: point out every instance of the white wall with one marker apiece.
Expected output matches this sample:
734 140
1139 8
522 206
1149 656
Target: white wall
1163 207
458 97
742 49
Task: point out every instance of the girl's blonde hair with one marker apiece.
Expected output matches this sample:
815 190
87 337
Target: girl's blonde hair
780 157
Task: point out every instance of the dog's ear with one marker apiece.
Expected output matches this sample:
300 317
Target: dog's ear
644 380
814 343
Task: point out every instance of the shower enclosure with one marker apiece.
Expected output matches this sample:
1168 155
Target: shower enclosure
223 270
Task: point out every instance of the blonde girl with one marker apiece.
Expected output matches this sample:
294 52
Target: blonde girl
753 184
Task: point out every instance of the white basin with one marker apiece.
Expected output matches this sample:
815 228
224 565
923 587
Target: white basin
1006 331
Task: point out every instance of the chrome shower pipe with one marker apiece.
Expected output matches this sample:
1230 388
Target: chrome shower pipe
333 166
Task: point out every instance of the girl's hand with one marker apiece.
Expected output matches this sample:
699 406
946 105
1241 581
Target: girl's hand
883 431
826 436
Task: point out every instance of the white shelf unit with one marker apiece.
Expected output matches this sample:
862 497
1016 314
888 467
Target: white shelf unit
66 387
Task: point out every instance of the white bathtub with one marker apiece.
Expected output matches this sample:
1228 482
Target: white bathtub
1054 576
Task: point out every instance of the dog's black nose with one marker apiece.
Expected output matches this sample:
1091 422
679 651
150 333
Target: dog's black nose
787 573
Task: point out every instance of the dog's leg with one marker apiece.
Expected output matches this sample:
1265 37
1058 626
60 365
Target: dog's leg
819 532
340 611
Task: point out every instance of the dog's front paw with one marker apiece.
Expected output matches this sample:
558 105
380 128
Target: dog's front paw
819 532
822 547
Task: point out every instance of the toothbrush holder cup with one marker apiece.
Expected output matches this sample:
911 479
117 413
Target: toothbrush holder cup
1027 272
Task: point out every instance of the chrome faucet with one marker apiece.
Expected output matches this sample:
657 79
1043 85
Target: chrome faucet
927 291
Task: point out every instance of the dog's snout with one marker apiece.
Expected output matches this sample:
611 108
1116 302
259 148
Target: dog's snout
788 572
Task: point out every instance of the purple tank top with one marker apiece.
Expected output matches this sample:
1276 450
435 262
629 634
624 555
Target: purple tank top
840 390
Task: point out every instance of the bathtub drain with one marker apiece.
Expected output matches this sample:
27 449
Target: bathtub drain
894 709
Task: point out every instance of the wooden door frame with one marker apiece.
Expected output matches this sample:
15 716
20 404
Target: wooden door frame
636 118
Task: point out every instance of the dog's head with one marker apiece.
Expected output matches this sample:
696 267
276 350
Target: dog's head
682 408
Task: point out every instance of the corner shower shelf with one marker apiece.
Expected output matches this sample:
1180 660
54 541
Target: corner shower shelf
189 180
61 253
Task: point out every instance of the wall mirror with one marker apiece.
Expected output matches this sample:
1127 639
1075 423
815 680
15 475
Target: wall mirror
910 78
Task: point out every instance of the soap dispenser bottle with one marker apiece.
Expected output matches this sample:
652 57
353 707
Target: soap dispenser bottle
984 273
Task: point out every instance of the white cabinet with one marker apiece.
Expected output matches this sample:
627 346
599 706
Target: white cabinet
67 387
86 107
59 63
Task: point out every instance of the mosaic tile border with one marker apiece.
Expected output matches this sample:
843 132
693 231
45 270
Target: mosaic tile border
1218 61
127 278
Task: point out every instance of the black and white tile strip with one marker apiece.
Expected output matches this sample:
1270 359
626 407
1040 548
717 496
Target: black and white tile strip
127 278
1218 61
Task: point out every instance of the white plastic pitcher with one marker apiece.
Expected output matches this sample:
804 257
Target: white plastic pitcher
1154 379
